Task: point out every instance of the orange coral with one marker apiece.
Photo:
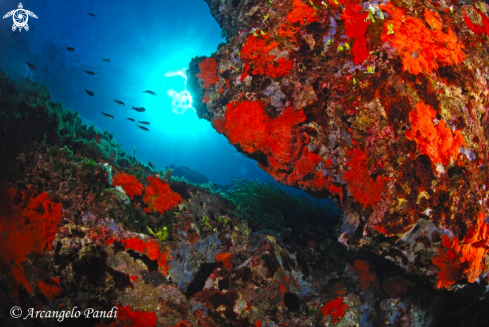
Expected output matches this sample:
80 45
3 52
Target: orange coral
438 142
362 267
152 250
301 13
247 124
136 318
356 27
363 188
305 165
336 308
463 259
432 19
319 183
255 52
208 70
478 29
283 68
129 184
282 288
109 240
159 196
287 32
225 259
421 48
50 289
27 227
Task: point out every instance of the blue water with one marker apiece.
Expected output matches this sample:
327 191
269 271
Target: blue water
144 40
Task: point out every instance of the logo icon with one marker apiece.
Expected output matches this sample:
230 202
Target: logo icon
20 17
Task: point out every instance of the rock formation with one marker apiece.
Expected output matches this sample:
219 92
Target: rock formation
381 105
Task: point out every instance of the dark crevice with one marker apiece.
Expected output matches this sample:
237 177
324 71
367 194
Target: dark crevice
151 264
198 282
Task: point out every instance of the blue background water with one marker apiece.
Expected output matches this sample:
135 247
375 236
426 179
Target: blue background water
144 40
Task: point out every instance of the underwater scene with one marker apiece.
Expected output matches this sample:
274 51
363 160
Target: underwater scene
256 163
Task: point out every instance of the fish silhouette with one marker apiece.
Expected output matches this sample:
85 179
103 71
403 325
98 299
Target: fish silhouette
107 115
139 109
143 128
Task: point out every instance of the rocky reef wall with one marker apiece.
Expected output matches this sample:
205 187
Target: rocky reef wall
379 104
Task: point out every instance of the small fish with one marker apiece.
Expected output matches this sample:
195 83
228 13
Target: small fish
143 122
89 72
106 60
150 92
120 103
143 128
90 93
70 49
139 109
31 66
131 119
107 115
91 14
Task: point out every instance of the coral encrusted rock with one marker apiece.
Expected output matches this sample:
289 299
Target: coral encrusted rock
382 105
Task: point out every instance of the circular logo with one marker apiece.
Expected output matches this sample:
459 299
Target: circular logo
16 312
20 18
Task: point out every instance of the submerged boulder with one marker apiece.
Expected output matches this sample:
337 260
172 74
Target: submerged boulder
189 174
381 105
